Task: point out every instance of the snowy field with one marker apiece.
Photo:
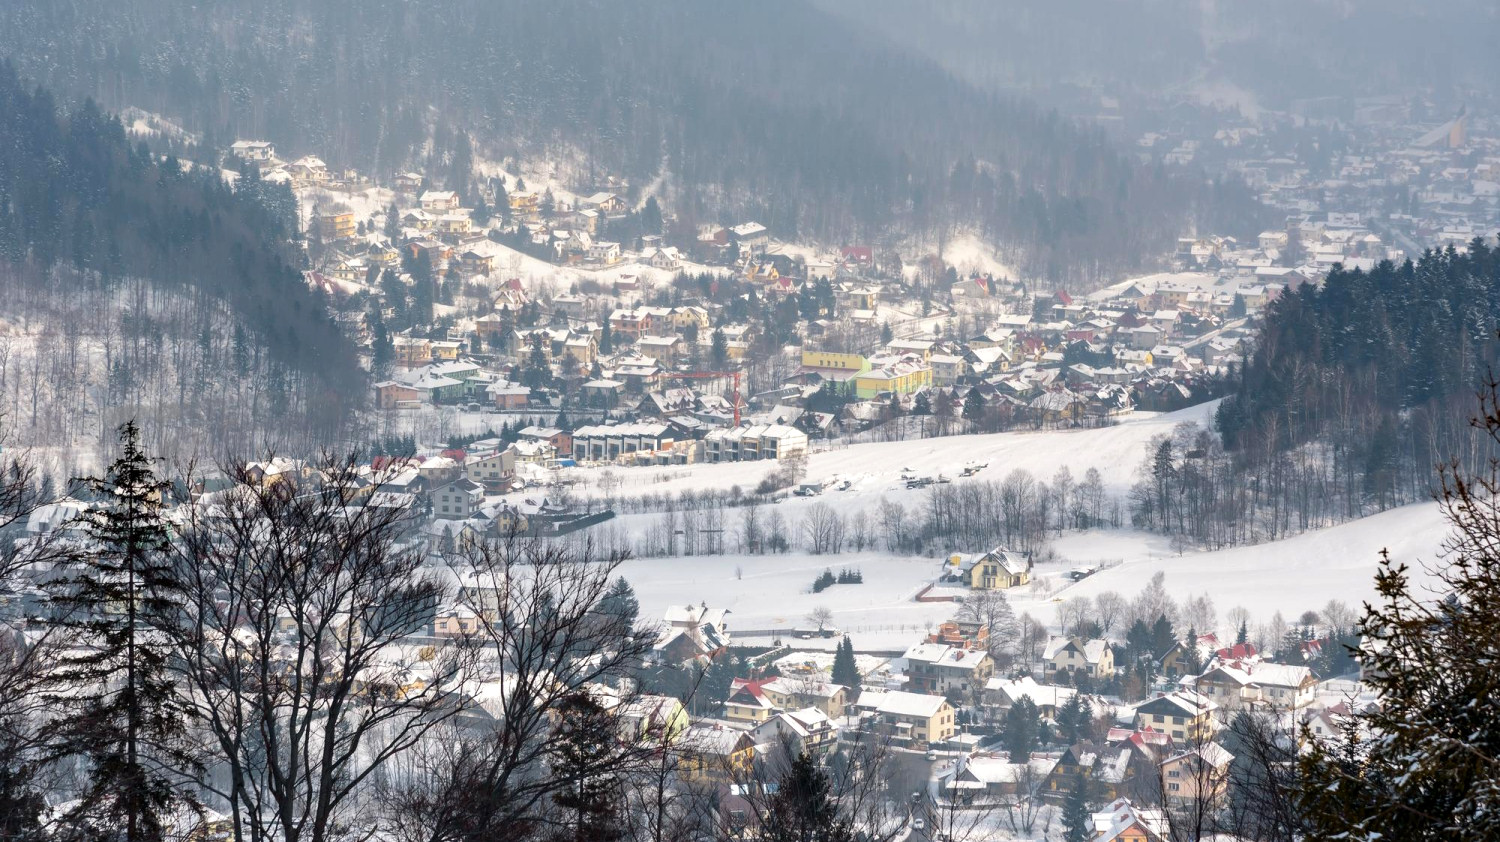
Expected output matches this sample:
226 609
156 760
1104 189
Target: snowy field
1294 575
874 470
1291 576
774 592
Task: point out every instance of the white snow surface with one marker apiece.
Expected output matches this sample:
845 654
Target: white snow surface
968 253
874 469
1294 575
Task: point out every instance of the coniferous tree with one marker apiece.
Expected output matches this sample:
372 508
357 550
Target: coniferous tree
1022 725
973 406
651 216
125 717
620 603
1073 718
502 199
845 669
803 808
1077 818
584 743
719 351
1192 659
1431 766
393 224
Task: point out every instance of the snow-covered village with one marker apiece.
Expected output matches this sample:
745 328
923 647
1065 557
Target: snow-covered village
832 421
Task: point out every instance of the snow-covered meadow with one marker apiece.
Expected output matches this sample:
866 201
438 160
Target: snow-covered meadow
774 591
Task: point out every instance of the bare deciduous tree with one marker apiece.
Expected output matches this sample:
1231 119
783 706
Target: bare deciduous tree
543 640
291 650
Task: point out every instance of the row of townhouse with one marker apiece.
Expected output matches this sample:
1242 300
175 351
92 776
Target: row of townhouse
756 441
608 442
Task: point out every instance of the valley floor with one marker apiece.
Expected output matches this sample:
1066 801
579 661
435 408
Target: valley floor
773 592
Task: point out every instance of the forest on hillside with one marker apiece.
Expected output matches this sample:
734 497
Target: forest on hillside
174 263
1357 389
796 118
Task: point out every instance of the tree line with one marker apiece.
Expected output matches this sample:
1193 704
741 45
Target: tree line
76 193
1355 390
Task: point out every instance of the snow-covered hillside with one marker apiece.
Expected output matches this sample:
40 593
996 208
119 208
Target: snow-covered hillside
874 470
1291 576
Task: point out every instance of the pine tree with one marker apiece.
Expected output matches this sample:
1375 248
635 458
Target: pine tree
973 406
393 224
606 339
620 602
803 808
1077 819
1429 769
1242 636
125 717
581 749
720 350
845 669
1022 723
1073 718
502 199
538 370
1192 659
651 216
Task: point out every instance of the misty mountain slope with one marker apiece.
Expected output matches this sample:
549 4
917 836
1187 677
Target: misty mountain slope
783 113
1277 50
74 193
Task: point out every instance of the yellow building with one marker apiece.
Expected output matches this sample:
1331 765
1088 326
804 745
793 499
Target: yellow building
523 202
901 377
336 226
660 719
835 360
715 753
1093 658
455 223
412 351
761 273
1197 776
920 718
1184 715
997 569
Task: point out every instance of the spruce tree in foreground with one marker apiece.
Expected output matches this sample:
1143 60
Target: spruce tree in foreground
1426 763
583 749
803 808
119 708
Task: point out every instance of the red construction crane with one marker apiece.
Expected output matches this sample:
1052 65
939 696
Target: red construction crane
715 375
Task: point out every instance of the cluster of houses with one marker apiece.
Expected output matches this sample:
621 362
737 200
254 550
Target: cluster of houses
948 696
1396 180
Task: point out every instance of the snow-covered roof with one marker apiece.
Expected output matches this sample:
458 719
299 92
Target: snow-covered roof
1092 650
1045 695
902 703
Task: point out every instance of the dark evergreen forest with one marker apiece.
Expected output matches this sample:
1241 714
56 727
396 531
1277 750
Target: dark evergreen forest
1358 388
797 118
75 193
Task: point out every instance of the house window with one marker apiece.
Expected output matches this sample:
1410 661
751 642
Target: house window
1174 787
